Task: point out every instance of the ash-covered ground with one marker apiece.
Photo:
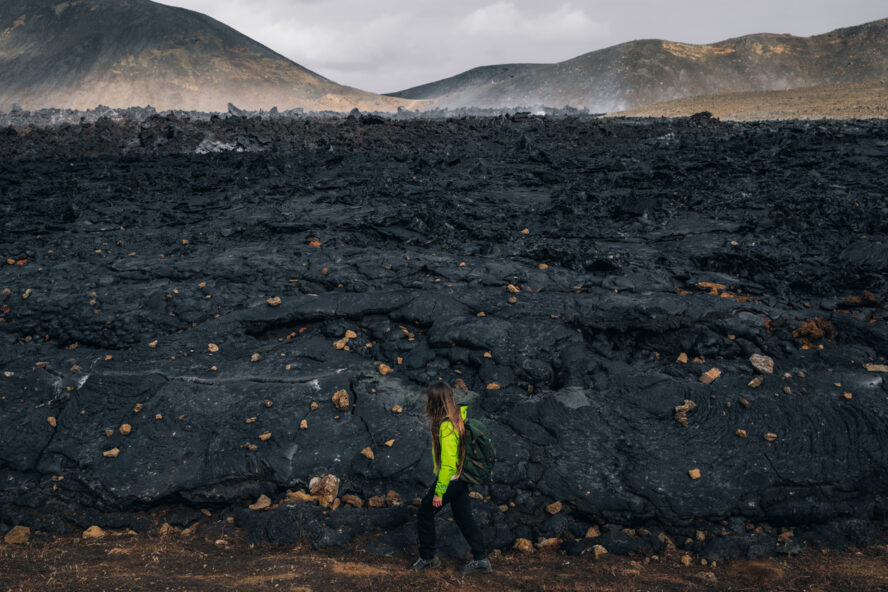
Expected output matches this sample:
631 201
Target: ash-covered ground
214 284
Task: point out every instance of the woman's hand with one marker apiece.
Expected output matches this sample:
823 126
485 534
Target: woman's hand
437 501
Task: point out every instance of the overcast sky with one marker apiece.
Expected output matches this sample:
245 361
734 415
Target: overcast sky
390 45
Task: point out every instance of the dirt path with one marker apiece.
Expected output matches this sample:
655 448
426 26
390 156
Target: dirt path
155 563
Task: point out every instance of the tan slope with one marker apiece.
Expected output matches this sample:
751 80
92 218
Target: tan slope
121 53
835 101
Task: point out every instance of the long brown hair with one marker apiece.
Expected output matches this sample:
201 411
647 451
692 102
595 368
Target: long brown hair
440 406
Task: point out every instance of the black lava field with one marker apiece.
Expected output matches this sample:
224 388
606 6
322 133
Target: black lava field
596 288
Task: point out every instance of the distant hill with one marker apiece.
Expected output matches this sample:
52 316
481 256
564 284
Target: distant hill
651 71
121 53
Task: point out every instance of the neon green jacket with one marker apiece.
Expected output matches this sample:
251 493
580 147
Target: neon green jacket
449 454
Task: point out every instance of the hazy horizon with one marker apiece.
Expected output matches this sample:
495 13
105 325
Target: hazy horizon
392 45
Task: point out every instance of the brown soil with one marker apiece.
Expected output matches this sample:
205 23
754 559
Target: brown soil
840 101
174 563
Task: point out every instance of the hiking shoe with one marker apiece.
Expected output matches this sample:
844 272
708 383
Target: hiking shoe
478 565
422 564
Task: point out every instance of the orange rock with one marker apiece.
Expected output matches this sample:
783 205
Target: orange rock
593 532
352 500
488 355
263 502
524 545
755 382
368 453
513 300
876 367
265 436
711 376
303 425
770 436
340 400
377 501
493 386
694 474
390 443
250 447
741 433
847 396
255 358
513 288
543 266
18 535
686 560
51 421
126 429
153 344
212 347
384 369
274 301
93 532
300 496
111 453
682 358
554 508
598 551
397 409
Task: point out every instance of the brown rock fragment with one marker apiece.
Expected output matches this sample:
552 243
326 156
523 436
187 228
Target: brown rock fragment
93 532
340 400
325 488
390 443
125 429
770 436
682 358
710 376
694 474
554 508
18 535
377 501
876 367
847 396
755 382
265 436
255 358
741 433
686 560
598 551
384 369
681 411
212 348
524 545
51 421
352 500
274 301
300 496
493 386
113 453
393 499
368 453
397 409
153 344
593 532
303 425
263 502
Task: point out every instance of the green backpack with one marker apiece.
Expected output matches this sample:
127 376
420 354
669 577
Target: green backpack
480 453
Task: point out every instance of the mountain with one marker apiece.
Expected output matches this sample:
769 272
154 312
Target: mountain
121 53
651 71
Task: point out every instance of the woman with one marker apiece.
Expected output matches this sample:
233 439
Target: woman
446 423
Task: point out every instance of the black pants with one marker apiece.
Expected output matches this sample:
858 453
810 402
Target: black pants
457 495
